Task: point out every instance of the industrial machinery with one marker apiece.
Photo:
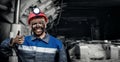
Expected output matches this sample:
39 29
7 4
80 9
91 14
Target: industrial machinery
88 28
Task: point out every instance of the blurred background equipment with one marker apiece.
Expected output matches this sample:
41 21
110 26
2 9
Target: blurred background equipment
14 14
85 26
51 8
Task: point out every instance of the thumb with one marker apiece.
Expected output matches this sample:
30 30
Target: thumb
18 32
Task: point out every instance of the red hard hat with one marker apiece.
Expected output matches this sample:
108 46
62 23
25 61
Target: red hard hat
33 15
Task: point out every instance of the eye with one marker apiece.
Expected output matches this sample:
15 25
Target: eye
33 26
42 22
34 23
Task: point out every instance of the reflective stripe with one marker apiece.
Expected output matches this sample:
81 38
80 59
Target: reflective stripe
46 50
38 49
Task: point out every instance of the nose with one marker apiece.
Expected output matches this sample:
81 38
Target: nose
38 25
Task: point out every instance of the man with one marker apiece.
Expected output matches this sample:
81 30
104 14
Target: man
40 46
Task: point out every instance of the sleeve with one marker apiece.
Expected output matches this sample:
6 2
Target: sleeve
5 49
62 53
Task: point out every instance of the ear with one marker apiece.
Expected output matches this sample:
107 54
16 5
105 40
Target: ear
46 22
30 26
45 25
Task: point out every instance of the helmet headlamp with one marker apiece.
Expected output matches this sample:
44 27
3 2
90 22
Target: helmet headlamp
36 10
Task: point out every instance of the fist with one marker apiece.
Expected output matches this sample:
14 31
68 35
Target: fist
17 40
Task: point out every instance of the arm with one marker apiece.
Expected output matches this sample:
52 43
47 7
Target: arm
5 49
7 45
62 55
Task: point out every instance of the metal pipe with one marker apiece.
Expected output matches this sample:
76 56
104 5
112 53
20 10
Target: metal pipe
17 11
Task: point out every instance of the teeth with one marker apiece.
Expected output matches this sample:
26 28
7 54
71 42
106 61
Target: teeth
38 30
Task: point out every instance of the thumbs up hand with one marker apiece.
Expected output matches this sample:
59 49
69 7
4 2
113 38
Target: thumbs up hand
18 39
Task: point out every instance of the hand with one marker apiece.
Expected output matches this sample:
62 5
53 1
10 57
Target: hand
18 39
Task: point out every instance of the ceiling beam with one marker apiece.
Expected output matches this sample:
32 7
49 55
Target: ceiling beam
95 3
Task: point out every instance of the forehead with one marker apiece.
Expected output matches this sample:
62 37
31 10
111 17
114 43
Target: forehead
40 19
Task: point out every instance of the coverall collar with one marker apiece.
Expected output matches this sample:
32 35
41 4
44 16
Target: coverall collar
45 39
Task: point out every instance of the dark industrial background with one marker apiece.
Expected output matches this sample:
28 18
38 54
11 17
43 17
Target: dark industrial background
95 19
75 20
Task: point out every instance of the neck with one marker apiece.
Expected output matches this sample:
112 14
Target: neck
42 35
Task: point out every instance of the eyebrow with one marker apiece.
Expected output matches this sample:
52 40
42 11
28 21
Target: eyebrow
42 21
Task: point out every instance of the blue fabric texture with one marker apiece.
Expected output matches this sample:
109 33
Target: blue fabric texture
48 49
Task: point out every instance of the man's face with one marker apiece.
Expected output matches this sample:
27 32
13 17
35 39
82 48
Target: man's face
38 26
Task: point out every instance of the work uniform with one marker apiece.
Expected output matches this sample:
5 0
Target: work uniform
48 49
